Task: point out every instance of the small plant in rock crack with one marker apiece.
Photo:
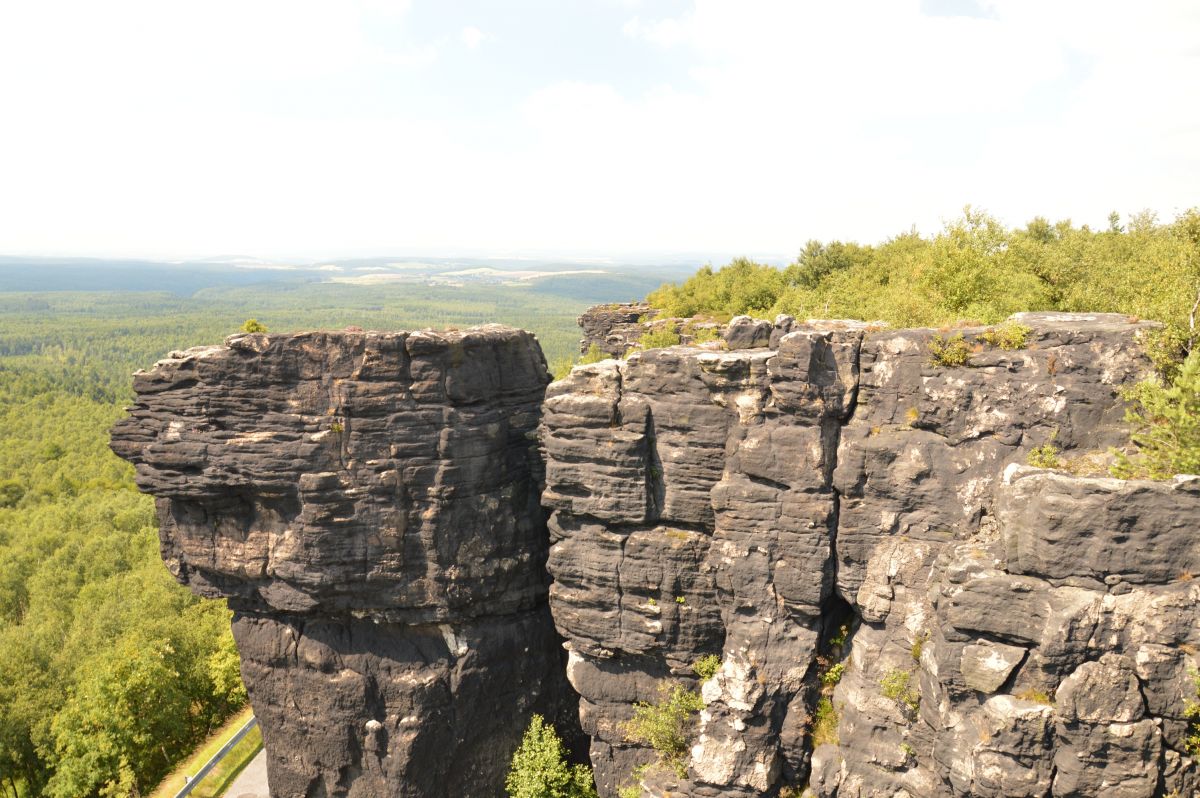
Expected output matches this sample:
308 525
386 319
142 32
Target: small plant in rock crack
707 667
825 724
634 789
839 638
667 726
831 677
896 684
1035 695
1008 336
1046 455
1191 711
949 352
918 645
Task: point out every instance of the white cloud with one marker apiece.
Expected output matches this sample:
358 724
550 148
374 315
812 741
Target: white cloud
137 130
663 32
471 36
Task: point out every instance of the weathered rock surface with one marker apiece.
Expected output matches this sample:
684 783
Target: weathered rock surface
614 328
617 329
369 504
1015 631
900 605
694 515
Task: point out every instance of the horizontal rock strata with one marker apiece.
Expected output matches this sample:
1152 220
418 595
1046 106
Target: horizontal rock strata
900 604
368 503
1008 630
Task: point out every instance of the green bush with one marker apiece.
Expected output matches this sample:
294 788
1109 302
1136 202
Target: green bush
562 367
1035 695
972 269
707 667
896 684
540 768
1044 456
667 726
825 724
702 335
831 677
1008 336
1166 426
1191 711
949 352
658 338
11 492
253 326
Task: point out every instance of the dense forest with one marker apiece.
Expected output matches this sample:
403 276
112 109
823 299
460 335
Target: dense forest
109 671
974 270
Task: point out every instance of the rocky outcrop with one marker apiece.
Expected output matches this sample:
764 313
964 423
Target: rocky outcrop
900 604
368 503
614 328
617 329
1011 631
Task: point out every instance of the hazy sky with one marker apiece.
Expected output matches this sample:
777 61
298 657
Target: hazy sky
589 127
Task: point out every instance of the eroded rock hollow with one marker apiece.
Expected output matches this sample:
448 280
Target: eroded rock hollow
900 605
368 503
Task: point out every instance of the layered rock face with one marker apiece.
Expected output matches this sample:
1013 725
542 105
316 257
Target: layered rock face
1010 631
901 606
369 504
613 328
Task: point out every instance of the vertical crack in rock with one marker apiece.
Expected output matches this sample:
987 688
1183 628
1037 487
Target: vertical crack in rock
369 505
1016 631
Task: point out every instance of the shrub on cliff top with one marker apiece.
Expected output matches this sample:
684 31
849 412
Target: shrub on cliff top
658 338
949 352
1007 336
972 269
253 326
1166 426
540 768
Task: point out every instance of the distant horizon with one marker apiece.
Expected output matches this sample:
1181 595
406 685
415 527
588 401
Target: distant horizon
615 257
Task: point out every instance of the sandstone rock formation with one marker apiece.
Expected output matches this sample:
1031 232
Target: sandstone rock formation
613 328
1012 631
901 605
368 503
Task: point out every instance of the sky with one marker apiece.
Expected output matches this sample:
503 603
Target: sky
580 128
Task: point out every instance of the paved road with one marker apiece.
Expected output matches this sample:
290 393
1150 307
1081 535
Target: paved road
251 782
